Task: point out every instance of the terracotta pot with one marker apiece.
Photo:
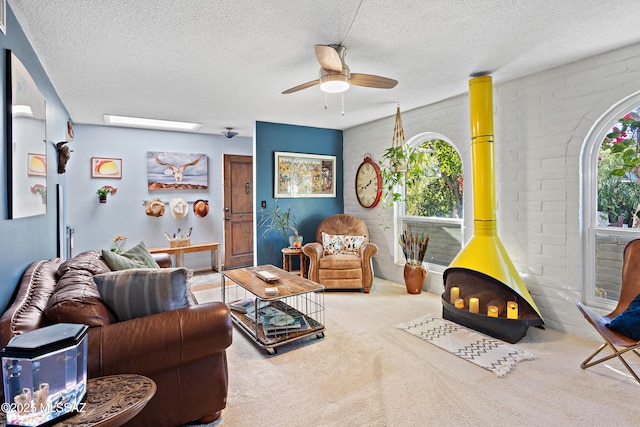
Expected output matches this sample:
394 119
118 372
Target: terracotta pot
414 278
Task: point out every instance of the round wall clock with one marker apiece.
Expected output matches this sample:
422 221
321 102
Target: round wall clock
368 183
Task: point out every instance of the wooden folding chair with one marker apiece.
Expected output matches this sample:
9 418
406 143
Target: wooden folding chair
619 344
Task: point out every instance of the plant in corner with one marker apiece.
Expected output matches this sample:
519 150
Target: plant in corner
282 222
414 247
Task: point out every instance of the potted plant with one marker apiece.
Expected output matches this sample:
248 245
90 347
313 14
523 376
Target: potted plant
282 222
414 247
103 192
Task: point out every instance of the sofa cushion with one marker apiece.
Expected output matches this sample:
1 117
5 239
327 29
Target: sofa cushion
628 322
333 244
136 257
26 313
143 291
75 298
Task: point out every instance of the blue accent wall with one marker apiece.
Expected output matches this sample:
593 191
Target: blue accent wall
272 137
34 238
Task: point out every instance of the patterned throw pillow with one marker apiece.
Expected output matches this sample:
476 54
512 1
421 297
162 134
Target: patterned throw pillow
136 257
334 244
143 291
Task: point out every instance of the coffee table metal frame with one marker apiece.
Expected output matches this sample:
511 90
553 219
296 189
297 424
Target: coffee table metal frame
296 297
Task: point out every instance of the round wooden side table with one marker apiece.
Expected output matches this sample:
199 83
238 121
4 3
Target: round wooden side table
287 260
113 400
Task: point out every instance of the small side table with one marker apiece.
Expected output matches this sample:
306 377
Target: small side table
287 260
113 400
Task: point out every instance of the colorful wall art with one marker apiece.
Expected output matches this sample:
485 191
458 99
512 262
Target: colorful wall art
176 171
105 167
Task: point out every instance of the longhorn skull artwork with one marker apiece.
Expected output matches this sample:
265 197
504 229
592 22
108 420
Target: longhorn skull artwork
178 170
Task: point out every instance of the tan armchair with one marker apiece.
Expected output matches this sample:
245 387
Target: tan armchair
345 270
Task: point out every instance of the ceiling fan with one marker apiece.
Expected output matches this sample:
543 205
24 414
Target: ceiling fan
335 76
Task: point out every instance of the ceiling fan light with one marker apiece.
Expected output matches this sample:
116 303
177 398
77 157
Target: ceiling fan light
334 83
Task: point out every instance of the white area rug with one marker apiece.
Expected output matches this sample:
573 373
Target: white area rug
486 352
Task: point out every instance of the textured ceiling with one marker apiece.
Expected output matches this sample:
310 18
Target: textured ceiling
225 63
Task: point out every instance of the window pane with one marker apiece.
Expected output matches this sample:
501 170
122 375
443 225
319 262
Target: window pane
618 160
609 251
445 239
434 186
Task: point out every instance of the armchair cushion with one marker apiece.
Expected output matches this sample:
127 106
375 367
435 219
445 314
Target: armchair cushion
340 262
627 323
143 291
333 244
136 257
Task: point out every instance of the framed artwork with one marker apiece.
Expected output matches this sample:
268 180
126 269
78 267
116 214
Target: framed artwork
106 167
37 165
304 175
177 171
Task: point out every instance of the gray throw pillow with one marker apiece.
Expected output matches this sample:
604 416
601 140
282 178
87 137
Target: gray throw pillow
136 257
143 291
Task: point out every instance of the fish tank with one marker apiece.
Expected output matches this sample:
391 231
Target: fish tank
45 374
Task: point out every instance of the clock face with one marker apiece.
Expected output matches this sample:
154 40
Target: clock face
368 184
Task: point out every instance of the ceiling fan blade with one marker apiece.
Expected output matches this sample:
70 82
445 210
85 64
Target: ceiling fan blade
369 80
328 58
302 86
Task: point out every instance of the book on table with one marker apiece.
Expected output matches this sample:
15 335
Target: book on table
246 305
275 321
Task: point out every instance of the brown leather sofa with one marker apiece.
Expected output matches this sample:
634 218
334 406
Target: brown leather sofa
348 270
183 350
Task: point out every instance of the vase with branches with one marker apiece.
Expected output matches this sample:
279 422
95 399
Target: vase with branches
414 248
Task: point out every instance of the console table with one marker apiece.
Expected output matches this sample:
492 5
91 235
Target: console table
214 247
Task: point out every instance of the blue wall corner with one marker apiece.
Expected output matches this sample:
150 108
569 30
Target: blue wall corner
272 137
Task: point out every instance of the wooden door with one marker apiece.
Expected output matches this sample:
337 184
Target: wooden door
238 211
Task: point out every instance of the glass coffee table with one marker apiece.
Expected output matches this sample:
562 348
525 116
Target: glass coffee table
270 320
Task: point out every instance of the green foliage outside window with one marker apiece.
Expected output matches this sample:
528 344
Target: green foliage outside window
618 163
434 184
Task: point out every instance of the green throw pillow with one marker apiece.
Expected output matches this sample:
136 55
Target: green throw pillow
136 257
143 291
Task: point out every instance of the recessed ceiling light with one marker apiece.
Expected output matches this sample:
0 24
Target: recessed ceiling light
149 123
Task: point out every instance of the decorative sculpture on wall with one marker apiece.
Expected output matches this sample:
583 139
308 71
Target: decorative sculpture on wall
64 154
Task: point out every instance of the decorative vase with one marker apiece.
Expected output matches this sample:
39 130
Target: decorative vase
295 241
103 199
414 278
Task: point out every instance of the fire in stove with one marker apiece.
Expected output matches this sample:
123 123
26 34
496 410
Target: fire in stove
483 289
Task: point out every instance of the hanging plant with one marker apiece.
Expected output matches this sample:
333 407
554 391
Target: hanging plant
396 161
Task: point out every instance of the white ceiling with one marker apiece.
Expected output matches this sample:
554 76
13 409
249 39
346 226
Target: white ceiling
225 63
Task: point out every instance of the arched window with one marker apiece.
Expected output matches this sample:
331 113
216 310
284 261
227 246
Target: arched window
433 197
611 199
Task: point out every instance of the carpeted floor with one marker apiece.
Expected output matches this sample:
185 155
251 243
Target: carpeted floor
368 372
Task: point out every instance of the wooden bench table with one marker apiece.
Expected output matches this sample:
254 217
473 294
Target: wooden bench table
214 247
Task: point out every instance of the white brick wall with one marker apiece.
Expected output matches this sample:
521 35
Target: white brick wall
541 122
